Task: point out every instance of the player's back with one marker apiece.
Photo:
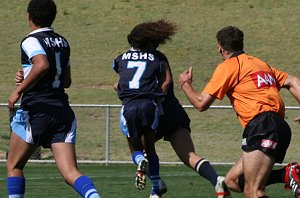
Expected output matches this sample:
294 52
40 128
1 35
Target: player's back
140 74
49 88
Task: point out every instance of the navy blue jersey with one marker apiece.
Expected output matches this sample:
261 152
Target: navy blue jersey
49 89
140 74
173 115
170 102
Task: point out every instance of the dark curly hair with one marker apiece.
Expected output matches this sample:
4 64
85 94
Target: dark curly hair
231 39
149 35
42 12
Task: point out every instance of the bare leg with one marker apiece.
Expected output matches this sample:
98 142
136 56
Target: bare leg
182 144
233 175
19 152
257 167
65 159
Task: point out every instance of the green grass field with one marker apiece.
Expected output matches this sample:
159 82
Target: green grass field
97 30
117 181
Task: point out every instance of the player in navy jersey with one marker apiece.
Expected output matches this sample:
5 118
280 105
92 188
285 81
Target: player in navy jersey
174 126
144 78
45 117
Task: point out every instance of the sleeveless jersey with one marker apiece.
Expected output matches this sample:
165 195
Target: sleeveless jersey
49 89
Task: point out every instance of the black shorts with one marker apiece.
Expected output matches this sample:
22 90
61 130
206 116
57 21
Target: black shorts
43 125
269 133
174 117
137 116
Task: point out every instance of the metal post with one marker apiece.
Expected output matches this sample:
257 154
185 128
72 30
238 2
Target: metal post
107 138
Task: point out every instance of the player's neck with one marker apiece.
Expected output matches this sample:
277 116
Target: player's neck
33 26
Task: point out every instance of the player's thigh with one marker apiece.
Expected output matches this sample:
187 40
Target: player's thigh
19 152
65 159
183 145
257 166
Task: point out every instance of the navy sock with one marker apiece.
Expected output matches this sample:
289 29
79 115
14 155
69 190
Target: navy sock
15 187
153 172
204 169
241 183
276 176
85 187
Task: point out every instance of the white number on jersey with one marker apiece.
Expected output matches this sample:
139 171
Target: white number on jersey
141 66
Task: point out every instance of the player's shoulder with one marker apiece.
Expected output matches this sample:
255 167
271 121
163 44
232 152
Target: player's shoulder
29 41
160 55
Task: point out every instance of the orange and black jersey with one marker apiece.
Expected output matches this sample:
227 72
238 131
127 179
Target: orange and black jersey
251 85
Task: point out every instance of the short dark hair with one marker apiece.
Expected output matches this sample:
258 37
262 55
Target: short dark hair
231 39
42 12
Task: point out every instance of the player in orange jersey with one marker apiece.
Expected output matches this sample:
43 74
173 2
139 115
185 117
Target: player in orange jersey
253 89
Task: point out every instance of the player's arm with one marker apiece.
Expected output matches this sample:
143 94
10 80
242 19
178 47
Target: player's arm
116 85
199 100
19 77
292 83
166 78
39 68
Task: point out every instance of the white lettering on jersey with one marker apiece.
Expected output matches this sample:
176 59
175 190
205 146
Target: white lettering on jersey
138 56
263 79
52 42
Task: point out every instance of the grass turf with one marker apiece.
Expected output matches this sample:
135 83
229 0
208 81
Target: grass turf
115 181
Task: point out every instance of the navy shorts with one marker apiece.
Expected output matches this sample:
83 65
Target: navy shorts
43 125
174 117
138 116
269 133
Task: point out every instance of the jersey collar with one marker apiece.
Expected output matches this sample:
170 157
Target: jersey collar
237 53
41 30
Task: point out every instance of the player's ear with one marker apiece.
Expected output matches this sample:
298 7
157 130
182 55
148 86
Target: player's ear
221 50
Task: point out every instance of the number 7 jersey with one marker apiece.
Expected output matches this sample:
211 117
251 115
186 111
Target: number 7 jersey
140 74
49 88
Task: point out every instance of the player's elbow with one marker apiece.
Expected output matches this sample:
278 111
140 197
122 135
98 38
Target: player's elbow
67 84
201 107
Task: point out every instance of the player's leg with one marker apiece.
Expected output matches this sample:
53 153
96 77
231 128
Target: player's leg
257 167
182 144
65 159
233 176
136 148
19 152
158 186
289 175
131 128
20 149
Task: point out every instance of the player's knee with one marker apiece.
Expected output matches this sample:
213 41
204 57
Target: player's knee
248 190
232 184
70 176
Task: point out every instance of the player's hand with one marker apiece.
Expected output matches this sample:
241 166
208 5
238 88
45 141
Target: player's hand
186 77
19 77
116 85
297 119
13 98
